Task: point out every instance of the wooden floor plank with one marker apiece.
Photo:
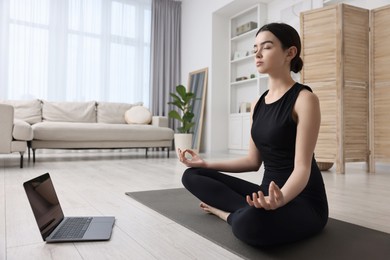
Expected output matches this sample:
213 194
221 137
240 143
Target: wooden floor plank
94 183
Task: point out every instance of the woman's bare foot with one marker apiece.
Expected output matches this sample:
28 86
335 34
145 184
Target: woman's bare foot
217 212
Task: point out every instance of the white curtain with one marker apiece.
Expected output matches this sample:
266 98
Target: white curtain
75 50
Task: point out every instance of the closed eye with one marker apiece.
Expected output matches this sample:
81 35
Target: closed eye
266 45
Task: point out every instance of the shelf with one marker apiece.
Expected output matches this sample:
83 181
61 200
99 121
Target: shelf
242 64
242 82
240 114
245 35
251 56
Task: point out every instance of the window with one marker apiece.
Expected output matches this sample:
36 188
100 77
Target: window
75 50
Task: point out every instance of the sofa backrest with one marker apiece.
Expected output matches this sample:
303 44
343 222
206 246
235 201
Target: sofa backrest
26 110
83 112
113 113
34 111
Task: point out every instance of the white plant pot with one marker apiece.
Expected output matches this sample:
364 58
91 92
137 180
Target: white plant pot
183 141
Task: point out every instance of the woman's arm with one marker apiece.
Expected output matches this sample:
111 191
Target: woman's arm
308 117
251 162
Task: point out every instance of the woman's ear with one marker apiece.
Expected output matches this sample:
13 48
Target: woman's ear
291 53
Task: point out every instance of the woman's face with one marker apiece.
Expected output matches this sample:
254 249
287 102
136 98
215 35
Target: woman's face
270 56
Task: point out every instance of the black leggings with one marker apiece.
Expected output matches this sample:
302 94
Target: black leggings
258 227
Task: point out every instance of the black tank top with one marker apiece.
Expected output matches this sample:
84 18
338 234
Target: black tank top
274 130
274 133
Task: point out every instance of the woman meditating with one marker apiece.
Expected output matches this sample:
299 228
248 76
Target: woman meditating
290 204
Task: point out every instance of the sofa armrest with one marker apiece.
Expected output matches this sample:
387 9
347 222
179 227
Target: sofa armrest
6 122
160 121
22 130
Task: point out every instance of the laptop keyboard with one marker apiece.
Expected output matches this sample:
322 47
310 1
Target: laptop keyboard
73 228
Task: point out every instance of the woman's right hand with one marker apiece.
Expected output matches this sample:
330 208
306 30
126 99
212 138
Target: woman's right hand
194 161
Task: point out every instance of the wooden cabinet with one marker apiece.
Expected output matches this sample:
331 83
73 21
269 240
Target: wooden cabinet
335 52
245 82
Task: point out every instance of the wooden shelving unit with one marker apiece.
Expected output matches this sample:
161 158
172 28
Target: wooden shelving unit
242 64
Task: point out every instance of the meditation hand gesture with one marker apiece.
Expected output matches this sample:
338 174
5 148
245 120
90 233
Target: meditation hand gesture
273 201
194 161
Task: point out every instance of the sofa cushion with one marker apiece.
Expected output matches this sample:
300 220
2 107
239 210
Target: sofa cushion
22 130
61 131
83 112
26 110
160 121
113 113
138 115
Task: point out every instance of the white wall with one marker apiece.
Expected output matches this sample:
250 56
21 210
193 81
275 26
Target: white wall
202 23
196 42
196 34
367 4
289 11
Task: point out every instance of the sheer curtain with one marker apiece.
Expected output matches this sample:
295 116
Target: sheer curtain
75 50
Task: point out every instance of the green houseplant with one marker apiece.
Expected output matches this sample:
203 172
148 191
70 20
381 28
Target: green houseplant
182 100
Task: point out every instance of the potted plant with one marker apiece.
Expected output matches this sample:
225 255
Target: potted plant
182 100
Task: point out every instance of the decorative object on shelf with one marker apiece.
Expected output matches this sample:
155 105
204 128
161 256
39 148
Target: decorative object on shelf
246 28
241 78
245 107
240 54
253 76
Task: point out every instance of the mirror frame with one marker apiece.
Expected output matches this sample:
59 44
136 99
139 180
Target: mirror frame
197 83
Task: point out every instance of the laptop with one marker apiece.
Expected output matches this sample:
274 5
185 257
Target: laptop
52 224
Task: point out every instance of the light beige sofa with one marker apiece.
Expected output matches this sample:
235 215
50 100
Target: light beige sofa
85 125
14 133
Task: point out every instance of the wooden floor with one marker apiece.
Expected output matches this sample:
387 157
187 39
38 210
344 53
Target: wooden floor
94 183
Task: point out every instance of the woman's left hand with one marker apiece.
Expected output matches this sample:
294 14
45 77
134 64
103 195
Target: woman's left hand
273 201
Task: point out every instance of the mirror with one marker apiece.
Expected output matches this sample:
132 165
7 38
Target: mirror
197 83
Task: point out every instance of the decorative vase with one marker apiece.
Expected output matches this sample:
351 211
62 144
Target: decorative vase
183 141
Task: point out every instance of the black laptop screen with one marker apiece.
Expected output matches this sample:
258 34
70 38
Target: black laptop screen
44 203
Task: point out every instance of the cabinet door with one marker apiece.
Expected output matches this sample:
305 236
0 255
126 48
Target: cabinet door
246 128
235 131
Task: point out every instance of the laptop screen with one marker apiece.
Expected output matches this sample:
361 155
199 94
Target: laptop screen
44 203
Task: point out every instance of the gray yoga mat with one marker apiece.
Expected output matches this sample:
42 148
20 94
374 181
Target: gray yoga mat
339 239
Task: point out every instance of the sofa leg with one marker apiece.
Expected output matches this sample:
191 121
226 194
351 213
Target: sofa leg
28 149
146 152
33 155
167 151
21 159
